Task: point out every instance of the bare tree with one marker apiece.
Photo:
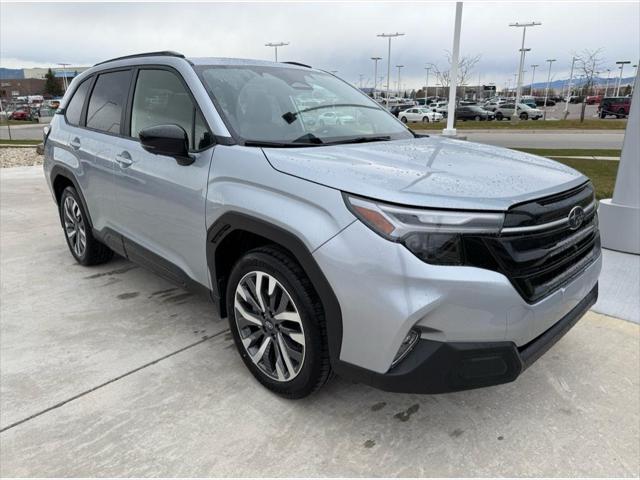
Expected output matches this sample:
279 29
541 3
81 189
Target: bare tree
588 62
466 64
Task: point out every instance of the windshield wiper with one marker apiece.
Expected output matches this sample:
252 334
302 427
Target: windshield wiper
380 138
268 144
290 117
308 138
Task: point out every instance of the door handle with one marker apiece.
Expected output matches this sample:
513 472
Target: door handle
124 159
75 143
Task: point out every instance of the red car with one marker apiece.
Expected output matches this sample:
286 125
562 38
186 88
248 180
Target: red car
593 99
618 106
20 115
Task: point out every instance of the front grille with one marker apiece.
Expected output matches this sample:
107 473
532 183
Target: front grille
537 250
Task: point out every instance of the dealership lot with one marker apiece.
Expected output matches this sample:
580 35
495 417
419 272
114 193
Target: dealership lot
112 371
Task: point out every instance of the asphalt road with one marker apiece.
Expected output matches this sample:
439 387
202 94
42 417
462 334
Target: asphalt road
31 131
111 371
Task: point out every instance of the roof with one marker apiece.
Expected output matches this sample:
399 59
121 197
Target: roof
242 61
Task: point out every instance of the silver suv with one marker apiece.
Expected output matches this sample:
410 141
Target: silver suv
407 262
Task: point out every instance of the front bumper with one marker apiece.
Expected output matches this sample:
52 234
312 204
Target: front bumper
440 367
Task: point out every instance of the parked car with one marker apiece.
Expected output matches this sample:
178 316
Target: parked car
417 114
395 110
473 113
618 106
576 99
334 118
492 105
539 102
525 112
593 99
410 263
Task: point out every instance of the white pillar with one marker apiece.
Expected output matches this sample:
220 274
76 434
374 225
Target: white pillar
453 75
620 215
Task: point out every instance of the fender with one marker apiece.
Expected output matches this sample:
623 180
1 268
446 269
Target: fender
60 171
234 221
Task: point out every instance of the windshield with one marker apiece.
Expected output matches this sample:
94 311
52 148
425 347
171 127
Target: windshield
280 105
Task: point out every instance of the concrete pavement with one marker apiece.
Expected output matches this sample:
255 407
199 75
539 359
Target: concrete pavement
111 371
610 139
31 131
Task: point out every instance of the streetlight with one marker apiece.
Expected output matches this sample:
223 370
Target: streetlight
426 85
275 45
533 76
622 64
633 82
64 74
606 88
389 36
399 67
522 52
546 90
375 74
566 105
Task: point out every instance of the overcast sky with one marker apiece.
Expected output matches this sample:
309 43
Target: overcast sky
332 36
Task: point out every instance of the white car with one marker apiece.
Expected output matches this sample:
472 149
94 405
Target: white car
493 105
419 114
525 112
334 118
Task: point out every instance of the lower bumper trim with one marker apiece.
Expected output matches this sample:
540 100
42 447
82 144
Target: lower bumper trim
440 367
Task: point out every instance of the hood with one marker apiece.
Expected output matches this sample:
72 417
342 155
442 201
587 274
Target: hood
429 172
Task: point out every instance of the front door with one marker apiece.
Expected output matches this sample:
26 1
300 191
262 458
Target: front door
161 204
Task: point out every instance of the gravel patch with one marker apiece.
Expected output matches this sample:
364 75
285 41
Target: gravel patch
19 157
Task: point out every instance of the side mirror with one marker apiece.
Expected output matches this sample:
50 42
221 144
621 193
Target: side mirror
169 140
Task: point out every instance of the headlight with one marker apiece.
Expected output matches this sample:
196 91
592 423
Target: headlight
434 236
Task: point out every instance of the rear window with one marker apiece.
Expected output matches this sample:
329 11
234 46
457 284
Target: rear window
107 101
74 109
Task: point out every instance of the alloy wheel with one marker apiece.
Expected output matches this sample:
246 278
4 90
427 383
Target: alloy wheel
74 227
269 326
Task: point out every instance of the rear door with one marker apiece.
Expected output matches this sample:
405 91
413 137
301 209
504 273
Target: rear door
160 205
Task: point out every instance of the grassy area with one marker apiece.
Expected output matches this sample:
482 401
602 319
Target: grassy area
8 143
601 172
571 152
3 122
592 124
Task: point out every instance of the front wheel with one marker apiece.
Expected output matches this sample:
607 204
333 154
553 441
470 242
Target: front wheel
524 116
82 244
499 116
277 323
425 119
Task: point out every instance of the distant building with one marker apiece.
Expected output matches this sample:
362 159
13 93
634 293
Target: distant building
20 87
70 72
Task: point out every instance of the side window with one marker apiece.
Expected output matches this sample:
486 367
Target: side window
74 108
107 101
160 98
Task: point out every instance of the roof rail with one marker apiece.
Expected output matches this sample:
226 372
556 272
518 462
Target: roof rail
164 53
298 64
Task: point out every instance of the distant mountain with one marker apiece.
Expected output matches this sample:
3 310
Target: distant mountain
6 73
576 82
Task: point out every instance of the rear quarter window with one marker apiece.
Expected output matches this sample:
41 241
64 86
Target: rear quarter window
74 109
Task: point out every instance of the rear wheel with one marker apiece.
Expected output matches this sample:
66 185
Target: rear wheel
425 119
477 118
524 116
83 246
621 113
403 119
277 322
499 116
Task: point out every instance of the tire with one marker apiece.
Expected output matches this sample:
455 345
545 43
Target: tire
622 113
403 119
524 116
535 118
603 115
308 367
425 119
499 116
77 232
477 118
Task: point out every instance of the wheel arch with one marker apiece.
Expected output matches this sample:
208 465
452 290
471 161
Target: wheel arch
234 233
62 178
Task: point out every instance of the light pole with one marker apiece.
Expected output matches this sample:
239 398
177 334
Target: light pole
606 88
426 85
522 52
275 45
533 76
633 82
566 105
375 74
546 90
399 67
64 74
515 82
622 64
450 131
389 36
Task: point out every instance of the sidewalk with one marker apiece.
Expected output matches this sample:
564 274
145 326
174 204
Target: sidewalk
619 286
